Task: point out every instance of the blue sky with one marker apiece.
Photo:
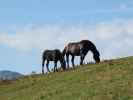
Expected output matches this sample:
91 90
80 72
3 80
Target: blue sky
27 27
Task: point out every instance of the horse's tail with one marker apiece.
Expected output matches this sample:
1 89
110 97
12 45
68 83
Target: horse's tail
64 51
43 61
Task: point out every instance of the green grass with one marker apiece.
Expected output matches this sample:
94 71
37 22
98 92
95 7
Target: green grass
110 80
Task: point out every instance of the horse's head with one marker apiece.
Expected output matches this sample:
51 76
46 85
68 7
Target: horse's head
88 45
96 56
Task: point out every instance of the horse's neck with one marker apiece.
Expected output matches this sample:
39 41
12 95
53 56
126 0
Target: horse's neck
94 51
91 48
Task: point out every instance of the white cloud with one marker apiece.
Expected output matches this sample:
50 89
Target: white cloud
113 39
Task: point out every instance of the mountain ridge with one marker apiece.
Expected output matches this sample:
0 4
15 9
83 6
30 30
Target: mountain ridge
9 75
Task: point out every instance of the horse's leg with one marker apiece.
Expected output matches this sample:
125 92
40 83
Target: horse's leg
43 62
67 59
82 59
55 66
47 65
72 60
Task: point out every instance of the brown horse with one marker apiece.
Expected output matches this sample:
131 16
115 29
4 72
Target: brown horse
80 49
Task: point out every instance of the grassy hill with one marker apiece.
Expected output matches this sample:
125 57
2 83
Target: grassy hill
109 80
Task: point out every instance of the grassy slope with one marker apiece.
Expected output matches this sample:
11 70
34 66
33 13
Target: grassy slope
106 81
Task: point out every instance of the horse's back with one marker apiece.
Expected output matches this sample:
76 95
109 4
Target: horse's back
73 48
76 47
52 54
51 51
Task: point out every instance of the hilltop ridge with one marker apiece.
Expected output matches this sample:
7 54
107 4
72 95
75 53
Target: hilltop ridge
109 80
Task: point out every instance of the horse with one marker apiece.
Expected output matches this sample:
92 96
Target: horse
81 49
53 55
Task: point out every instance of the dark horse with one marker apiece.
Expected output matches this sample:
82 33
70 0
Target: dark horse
53 55
80 49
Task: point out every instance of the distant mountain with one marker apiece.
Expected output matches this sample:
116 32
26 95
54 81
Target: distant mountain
9 75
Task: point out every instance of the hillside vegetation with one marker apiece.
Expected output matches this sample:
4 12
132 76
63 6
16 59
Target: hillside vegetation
109 80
